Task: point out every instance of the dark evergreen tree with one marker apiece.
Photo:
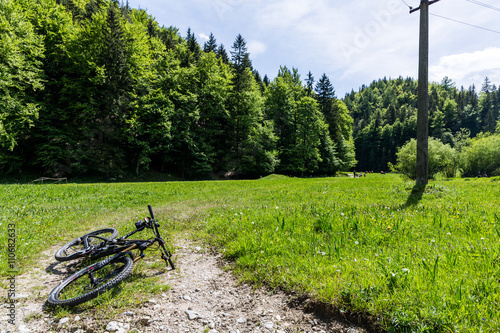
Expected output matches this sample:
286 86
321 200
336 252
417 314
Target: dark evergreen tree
92 7
240 58
309 83
258 80
75 11
325 94
211 44
486 85
324 91
245 109
222 54
193 49
170 37
266 80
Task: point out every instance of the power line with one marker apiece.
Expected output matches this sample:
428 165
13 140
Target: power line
471 25
479 3
407 4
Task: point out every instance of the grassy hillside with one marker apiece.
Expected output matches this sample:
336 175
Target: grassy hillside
369 246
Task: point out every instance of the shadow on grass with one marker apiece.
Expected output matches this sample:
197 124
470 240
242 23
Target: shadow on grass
415 196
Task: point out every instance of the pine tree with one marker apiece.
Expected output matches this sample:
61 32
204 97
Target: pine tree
266 80
339 121
92 7
194 49
240 57
222 54
211 44
486 85
325 95
324 90
244 103
258 80
309 83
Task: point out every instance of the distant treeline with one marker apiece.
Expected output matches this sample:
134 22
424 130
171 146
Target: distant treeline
385 116
93 87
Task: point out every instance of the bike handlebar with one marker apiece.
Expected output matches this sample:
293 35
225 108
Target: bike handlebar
151 212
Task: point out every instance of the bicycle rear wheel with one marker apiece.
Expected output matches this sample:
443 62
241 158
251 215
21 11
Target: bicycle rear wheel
91 282
75 248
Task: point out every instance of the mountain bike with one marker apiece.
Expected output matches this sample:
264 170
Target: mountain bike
101 276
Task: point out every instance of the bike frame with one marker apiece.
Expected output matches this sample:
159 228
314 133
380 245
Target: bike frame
123 245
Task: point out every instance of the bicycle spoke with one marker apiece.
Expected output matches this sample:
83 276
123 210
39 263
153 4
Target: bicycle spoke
91 281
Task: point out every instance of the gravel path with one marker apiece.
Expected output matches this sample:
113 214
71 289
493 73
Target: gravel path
204 298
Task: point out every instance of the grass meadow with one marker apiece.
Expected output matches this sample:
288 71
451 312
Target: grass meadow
372 248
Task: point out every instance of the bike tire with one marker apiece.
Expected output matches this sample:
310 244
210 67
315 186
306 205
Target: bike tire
76 289
71 250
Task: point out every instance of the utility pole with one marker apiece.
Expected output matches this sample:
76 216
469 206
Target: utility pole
423 95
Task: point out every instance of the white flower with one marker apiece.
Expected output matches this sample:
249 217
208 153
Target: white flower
406 270
356 242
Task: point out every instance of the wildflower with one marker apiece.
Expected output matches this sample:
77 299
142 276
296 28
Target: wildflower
406 270
356 242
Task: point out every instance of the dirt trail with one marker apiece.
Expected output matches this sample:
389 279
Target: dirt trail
204 298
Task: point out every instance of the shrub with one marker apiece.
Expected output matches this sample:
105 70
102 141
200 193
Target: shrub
482 156
442 158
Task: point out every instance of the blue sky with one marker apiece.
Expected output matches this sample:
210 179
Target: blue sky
353 42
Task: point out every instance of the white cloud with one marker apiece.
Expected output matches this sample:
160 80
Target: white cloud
468 68
284 13
256 47
203 36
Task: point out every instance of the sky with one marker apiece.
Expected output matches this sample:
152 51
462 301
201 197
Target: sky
352 42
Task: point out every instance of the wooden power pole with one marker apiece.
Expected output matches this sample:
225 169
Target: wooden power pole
423 95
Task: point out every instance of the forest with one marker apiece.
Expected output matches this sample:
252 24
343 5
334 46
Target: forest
96 88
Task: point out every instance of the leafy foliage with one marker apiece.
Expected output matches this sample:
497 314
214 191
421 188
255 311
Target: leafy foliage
20 76
482 156
442 158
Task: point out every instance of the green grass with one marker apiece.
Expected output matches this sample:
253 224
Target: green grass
373 247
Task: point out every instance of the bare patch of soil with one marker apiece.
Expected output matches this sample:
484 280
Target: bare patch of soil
204 298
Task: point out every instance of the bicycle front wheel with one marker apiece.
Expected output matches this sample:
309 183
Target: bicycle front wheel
91 282
75 248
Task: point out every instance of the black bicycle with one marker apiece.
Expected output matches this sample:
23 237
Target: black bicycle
101 276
